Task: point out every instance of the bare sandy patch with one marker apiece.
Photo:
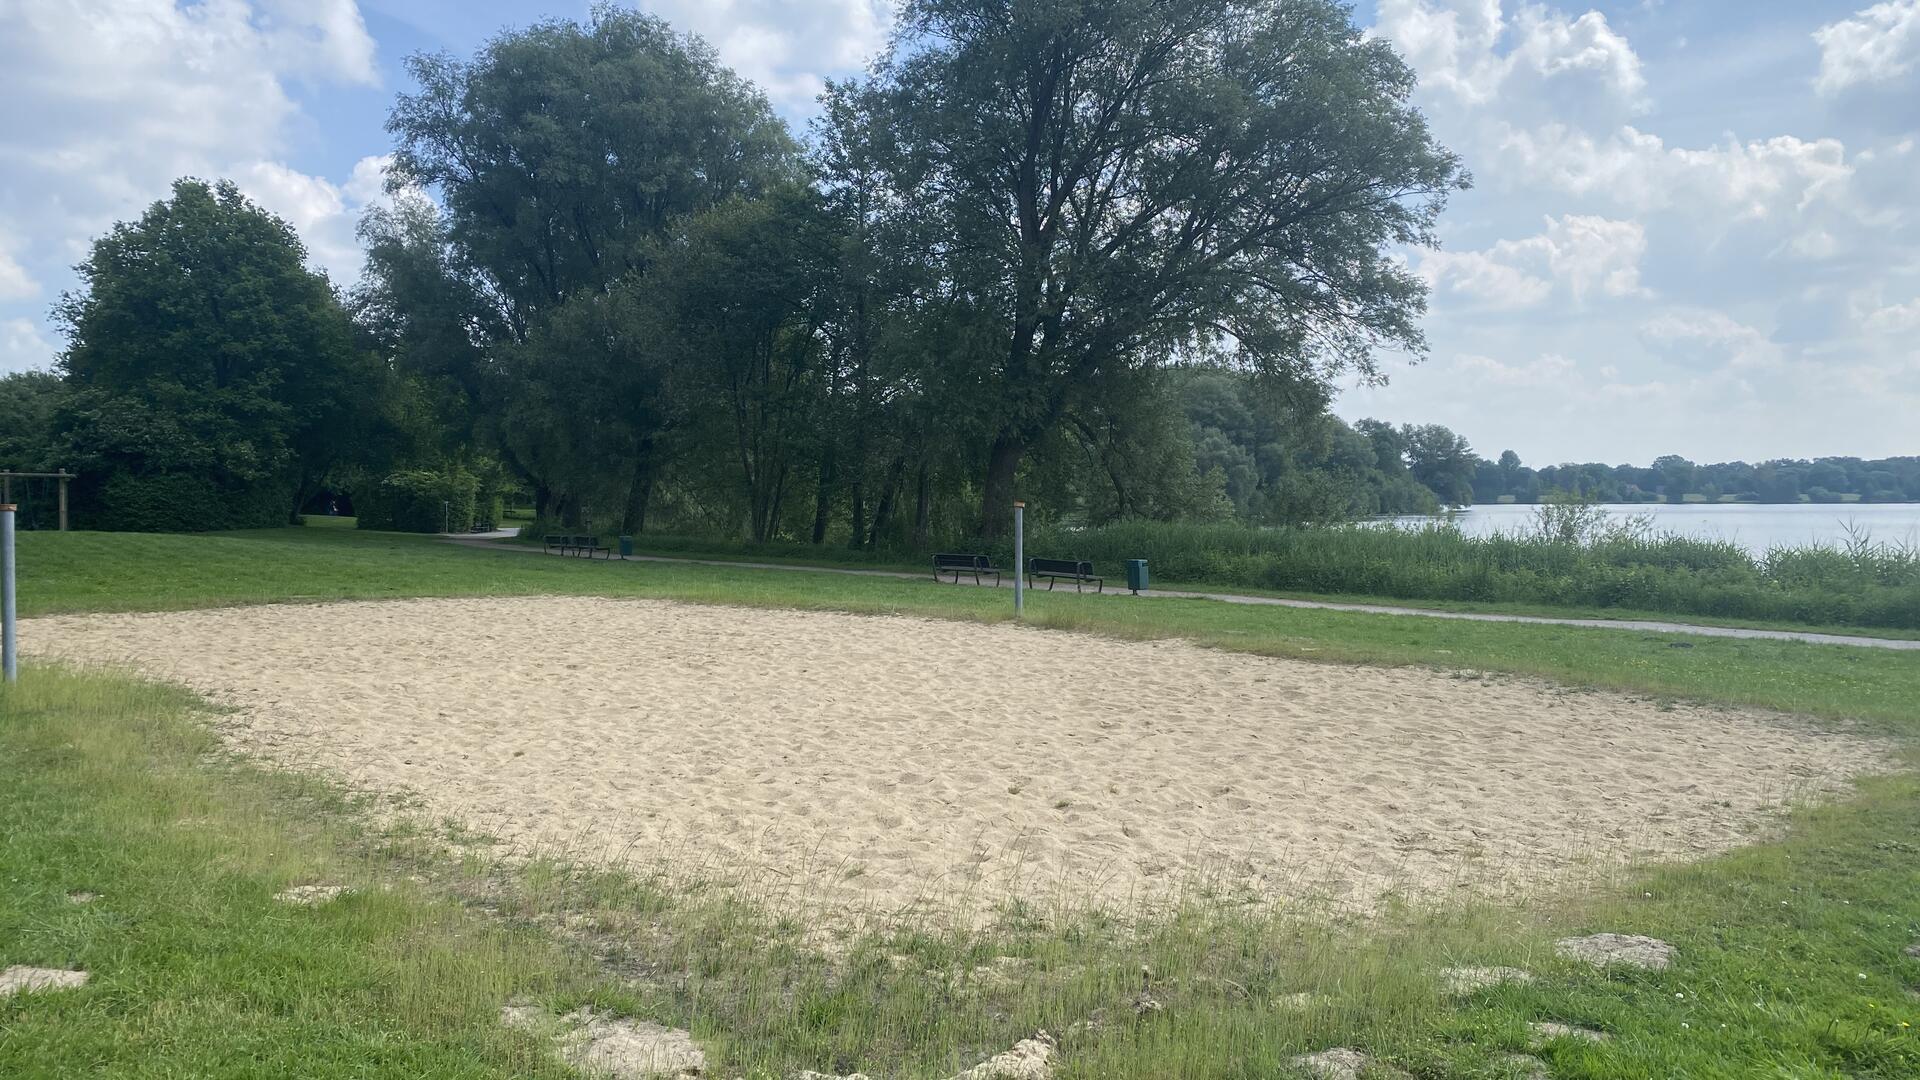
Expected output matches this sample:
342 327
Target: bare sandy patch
21 979
887 760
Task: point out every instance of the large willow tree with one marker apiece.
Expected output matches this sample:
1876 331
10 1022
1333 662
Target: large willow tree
1120 183
562 154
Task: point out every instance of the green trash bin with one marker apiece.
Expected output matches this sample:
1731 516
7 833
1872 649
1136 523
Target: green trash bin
626 546
1136 574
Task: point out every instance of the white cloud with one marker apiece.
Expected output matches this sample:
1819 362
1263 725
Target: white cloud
1456 45
1549 370
1743 180
1702 337
1894 320
788 49
23 347
1585 254
109 101
1876 44
15 282
323 213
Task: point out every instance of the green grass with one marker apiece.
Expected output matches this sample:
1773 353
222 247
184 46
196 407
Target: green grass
324 521
1790 951
115 788
196 970
787 553
125 572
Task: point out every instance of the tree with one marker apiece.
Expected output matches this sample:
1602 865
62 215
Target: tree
562 153
29 400
735 294
1676 476
1118 183
1441 460
214 378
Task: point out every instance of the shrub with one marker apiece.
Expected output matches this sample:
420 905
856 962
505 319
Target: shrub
420 500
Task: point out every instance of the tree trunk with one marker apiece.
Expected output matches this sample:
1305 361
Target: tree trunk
639 493
823 497
996 497
883 514
857 504
922 506
544 508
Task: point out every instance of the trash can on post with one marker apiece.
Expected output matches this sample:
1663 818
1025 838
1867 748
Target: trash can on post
626 546
1136 574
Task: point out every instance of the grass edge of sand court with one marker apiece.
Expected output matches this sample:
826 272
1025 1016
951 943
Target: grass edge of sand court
1795 945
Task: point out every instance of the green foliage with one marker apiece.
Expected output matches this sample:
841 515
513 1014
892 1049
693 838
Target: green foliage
1082 242
206 363
30 400
421 500
1675 479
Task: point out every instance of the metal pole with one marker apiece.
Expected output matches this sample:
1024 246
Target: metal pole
1019 558
9 649
63 499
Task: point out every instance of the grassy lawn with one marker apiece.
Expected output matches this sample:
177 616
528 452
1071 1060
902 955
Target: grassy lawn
790 554
1790 952
123 572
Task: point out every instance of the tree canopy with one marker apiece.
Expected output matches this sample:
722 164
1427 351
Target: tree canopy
1112 256
213 378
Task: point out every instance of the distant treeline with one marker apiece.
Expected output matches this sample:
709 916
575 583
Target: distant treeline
1675 479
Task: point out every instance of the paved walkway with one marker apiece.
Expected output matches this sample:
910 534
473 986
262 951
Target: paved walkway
1648 625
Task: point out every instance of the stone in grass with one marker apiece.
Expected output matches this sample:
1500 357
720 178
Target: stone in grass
1030 1059
1913 950
1631 950
82 896
611 1047
1469 980
311 895
1546 1031
30 980
1343 1063
1525 1067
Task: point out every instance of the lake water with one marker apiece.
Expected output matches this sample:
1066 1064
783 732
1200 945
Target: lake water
1754 525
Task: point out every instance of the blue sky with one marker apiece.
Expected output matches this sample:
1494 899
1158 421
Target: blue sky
1695 226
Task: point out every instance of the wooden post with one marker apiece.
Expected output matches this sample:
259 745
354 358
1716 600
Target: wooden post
63 499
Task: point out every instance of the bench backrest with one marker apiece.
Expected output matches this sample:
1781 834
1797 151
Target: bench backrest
1062 567
555 539
960 562
586 541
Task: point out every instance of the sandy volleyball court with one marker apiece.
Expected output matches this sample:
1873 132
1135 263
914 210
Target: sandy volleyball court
889 761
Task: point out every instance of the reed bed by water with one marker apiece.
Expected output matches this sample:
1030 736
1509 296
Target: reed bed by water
1565 559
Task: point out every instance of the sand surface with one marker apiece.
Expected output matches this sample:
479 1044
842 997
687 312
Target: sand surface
884 762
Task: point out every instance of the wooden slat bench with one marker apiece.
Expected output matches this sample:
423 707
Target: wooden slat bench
575 544
963 564
1080 573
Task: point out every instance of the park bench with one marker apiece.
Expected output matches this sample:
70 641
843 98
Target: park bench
1080 573
573 544
963 564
